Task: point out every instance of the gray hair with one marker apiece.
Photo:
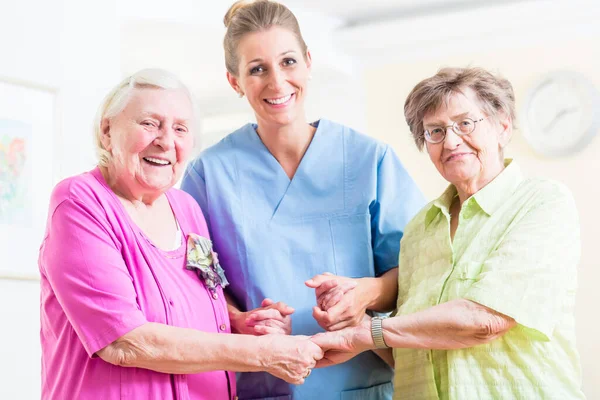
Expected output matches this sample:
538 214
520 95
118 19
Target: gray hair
495 94
118 98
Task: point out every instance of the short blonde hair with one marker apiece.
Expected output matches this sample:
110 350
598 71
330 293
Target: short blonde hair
247 16
495 93
118 97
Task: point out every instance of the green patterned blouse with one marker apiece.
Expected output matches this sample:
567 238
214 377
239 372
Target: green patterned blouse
515 250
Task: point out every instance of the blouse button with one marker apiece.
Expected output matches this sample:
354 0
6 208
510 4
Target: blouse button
215 296
223 327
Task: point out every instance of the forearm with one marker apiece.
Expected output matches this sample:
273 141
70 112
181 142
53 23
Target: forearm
380 293
173 350
456 324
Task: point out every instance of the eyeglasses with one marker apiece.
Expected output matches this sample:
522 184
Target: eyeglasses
461 128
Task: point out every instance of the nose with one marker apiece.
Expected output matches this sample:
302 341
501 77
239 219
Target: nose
452 140
276 79
165 138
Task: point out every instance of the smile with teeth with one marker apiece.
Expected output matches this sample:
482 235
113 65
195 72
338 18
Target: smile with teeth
156 161
280 100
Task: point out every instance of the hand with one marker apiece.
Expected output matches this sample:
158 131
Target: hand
342 345
290 358
340 301
269 318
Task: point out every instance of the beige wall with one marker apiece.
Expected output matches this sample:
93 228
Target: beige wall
387 88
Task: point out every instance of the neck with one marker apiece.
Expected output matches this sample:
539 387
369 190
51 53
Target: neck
124 191
469 187
286 142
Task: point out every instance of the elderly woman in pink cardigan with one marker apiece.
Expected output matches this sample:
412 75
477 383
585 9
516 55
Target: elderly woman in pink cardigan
132 302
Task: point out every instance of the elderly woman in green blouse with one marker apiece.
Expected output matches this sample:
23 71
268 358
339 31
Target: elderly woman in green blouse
487 273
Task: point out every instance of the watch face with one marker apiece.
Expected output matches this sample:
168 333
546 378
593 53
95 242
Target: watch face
559 113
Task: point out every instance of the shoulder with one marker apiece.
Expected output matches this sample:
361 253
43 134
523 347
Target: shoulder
184 200
84 188
224 148
355 141
544 191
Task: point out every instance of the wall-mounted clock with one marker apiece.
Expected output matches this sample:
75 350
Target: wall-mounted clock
561 113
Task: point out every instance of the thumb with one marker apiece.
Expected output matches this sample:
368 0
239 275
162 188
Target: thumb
266 302
317 280
326 340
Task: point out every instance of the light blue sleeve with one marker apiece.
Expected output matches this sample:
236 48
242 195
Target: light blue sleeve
398 201
193 183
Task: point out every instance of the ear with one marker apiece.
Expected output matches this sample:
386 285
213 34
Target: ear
506 133
308 60
105 136
234 83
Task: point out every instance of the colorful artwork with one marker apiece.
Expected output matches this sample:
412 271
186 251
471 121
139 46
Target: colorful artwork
15 173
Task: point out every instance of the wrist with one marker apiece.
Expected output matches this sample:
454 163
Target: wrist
236 317
377 332
368 292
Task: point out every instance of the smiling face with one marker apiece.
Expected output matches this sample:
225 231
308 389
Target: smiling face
149 140
273 74
474 159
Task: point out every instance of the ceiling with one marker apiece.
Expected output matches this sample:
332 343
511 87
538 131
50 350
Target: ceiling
186 37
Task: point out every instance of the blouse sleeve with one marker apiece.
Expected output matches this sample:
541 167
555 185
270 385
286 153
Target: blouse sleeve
81 258
398 200
529 275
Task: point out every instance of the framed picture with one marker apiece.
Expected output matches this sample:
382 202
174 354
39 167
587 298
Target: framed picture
28 137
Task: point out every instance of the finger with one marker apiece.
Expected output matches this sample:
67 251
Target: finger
266 302
271 322
268 330
326 286
321 317
317 280
283 308
326 341
331 299
260 315
341 325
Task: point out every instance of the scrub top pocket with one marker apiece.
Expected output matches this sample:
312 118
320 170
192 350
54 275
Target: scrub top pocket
352 249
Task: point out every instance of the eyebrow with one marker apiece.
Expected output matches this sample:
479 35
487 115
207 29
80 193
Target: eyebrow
454 118
260 59
160 117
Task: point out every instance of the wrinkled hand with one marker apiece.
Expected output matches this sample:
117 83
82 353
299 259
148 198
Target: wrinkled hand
342 345
290 357
339 301
269 318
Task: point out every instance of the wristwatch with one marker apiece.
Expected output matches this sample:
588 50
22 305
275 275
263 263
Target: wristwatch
377 332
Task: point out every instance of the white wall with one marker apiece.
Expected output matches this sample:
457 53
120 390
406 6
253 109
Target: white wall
70 47
388 87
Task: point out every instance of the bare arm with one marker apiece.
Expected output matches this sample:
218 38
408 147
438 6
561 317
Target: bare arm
381 293
175 350
456 324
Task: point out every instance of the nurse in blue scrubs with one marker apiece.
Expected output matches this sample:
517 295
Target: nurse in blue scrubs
286 200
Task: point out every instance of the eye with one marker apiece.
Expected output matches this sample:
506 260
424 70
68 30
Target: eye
256 70
436 131
289 61
150 124
181 129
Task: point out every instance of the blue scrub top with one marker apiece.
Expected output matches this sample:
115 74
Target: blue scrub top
343 212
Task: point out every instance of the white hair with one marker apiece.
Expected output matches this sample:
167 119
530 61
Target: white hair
118 98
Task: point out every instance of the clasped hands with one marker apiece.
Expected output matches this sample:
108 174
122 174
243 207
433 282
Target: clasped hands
340 307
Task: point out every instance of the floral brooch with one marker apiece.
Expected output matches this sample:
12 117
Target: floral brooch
202 259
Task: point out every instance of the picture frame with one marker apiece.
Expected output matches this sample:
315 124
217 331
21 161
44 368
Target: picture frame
28 137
